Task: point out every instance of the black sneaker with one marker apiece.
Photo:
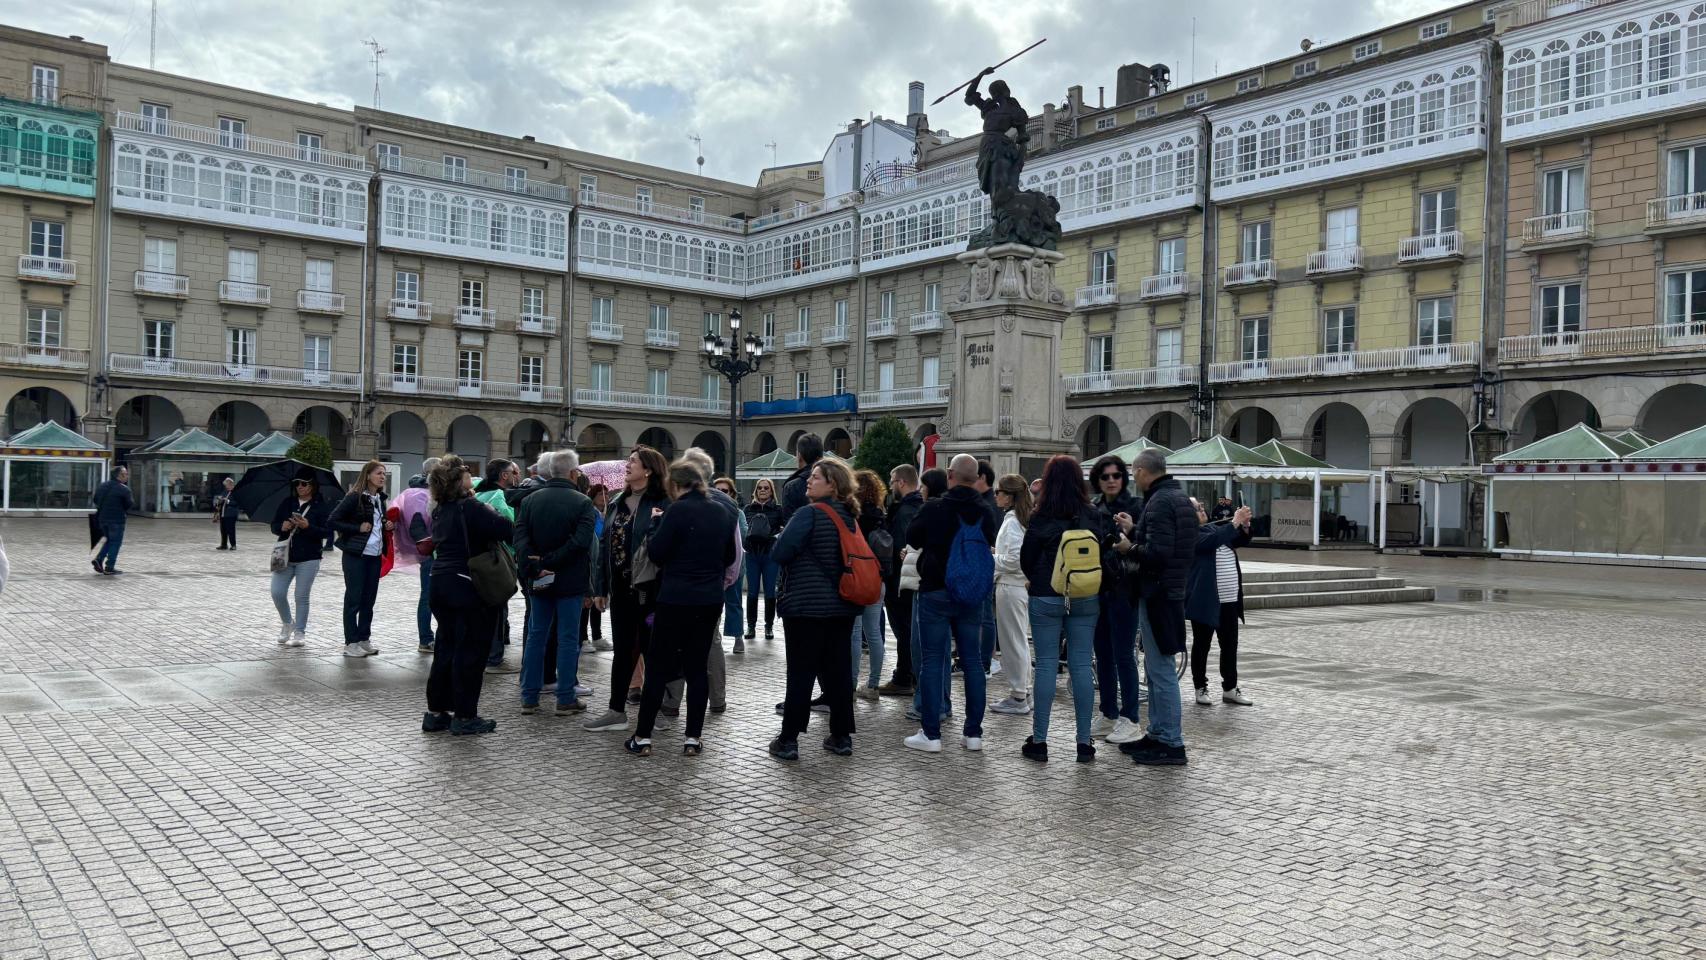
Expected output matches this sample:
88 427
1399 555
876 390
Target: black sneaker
1032 750
98 568
768 635
750 635
112 571
473 726
633 694
670 711
638 747
1158 754
434 722
781 708
719 707
1131 747
785 749
221 548
1086 753
841 746
820 705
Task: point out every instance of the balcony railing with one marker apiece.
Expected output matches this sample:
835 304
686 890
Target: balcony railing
474 389
1249 273
1097 295
436 170
478 318
1166 286
769 341
162 284
925 179
37 355
662 211
1610 343
663 338
797 340
879 328
536 323
1431 246
608 332
209 370
1680 210
319 301
237 291
1334 260
1556 227
927 321
414 311
279 149
804 210
1525 12
837 334
1388 360
649 401
905 397
1146 378
50 269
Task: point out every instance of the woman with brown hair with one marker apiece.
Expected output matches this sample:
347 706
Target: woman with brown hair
363 535
763 526
815 620
462 528
1012 603
626 579
868 625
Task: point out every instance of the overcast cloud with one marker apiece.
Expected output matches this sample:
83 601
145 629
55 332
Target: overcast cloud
634 79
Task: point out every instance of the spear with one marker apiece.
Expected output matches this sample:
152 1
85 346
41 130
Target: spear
991 70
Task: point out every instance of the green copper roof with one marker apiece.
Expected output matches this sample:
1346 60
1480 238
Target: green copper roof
1219 452
1290 456
1683 446
1129 452
191 441
273 444
1633 438
50 435
1580 442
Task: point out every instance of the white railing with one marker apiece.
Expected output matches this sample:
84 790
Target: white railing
436 170
1572 225
162 284
472 389
1097 295
1253 271
36 355
280 149
237 291
536 323
179 369
319 301
927 321
53 269
933 177
598 330
649 401
837 334
1431 246
415 311
880 327
662 211
1665 211
905 397
1387 360
663 338
797 340
1525 12
1334 260
1164 286
803 211
1612 342
769 341
480 318
1146 378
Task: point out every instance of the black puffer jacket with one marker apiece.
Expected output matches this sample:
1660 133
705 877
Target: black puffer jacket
1042 543
809 552
1166 538
898 520
771 511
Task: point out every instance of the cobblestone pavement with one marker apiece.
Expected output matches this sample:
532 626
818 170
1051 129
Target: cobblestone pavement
1519 778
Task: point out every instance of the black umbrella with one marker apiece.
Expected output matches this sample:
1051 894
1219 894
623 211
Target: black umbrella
264 487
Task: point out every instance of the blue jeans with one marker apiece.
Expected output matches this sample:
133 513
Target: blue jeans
868 631
1116 656
986 632
915 641
731 609
1050 619
1164 711
303 574
423 609
545 614
943 623
114 532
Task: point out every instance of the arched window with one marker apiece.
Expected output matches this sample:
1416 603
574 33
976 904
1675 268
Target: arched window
1589 71
1294 137
260 191
284 196
1664 54
417 214
127 163
394 207
438 217
459 220
1623 61
498 236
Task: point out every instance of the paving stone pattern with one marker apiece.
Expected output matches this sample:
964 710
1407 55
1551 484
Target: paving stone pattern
1443 780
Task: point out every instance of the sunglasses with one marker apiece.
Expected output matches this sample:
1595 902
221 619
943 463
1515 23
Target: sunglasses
1112 476
304 483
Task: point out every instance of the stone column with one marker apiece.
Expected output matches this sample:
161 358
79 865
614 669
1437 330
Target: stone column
1008 403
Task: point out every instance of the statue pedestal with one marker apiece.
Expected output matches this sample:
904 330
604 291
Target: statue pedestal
1008 403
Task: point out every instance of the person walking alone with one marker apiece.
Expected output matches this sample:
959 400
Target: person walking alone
626 578
763 524
225 514
868 625
1166 540
363 534
302 519
463 528
1012 602
554 544
112 510
1214 601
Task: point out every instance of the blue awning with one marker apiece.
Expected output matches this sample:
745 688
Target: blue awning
837 403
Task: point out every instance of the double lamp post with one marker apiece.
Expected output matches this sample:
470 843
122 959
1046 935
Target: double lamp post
735 359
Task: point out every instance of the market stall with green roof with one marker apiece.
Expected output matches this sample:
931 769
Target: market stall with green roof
180 473
1294 497
50 469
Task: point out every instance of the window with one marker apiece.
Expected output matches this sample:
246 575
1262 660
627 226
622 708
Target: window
405 362
714 324
930 372
1560 308
841 314
599 376
455 168
1439 212
1686 169
155 117
1254 339
803 319
1433 322
802 385
389 155
768 326
159 339
1255 242
308 145
603 310
1251 82
885 375
317 353
1342 228
657 382
1103 267
1340 335
1100 355
767 388
1105 123
589 188
1363 51
1196 97
240 346
516 179
710 387
696 208
1170 255
885 304
407 286
43 327
1435 30
1305 68
533 301
474 294
44 84
532 372
932 297
643 199
839 375
1685 301
317 275
659 319
1563 191
160 255
47 238
1169 347
242 266
470 367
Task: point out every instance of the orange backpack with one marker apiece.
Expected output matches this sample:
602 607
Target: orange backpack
861 575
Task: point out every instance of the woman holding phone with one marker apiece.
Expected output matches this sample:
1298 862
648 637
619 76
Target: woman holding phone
363 535
303 520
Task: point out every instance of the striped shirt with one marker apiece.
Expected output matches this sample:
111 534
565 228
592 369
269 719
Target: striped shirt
1226 575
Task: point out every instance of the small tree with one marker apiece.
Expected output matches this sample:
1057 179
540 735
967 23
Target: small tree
886 445
313 449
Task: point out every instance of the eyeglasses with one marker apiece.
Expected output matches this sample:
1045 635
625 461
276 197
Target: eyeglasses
1112 476
304 483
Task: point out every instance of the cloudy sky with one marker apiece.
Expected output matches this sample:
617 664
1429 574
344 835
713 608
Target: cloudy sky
634 78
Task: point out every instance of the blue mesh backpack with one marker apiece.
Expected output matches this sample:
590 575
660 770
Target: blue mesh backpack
971 566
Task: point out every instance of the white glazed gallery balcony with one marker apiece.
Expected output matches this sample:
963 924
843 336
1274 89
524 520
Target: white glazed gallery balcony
1097 295
839 333
478 218
409 311
797 340
474 389
659 211
248 294
880 329
927 322
1613 343
1248 274
1334 260
655 254
320 301
42 355
537 324
1557 229
1665 213
1387 360
1446 245
151 284
904 397
623 400
475 318
174 368
47 269
607 332
664 339
1165 286
1144 378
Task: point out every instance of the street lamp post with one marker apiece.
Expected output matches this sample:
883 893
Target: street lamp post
736 359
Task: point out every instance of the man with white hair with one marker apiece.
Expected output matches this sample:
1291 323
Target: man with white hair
553 546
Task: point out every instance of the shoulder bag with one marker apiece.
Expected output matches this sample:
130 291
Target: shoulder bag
493 571
281 553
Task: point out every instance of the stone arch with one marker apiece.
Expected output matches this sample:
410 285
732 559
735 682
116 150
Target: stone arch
714 444
528 439
32 406
794 438
660 440
1676 409
1250 426
1338 433
1433 432
1550 412
598 441
328 423
839 442
763 443
145 417
403 441
471 439
236 420
923 431
1096 436
1169 429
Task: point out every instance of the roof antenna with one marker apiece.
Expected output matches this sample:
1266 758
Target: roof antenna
772 146
378 52
699 146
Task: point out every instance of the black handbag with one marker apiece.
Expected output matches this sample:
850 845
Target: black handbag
493 571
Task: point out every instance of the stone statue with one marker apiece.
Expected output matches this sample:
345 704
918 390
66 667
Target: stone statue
1029 217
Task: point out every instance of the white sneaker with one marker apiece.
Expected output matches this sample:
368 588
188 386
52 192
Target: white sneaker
582 691
1235 695
372 650
355 650
974 743
297 639
1012 704
602 645
586 646
1102 727
1124 731
548 688
1203 699
994 667
284 635
867 692
919 741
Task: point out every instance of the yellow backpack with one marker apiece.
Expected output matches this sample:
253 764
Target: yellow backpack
1077 565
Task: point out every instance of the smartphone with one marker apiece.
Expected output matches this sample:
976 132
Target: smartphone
544 582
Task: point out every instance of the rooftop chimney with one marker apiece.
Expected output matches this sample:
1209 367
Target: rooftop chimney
915 97
1131 83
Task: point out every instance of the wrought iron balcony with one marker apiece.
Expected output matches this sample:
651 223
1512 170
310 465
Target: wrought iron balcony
649 401
905 397
668 339
608 332
250 294
1334 260
1605 344
1097 295
1248 274
174 368
1387 360
1144 378
1683 210
149 283
38 355
1431 246
47 269
412 311
478 318
1166 286
320 301
1573 227
880 329
537 324
927 321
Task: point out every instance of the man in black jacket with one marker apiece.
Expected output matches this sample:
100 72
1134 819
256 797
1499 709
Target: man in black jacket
903 480
808 450
1166 541
112 509
553 546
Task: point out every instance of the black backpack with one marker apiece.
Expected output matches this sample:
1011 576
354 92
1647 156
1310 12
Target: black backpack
758 526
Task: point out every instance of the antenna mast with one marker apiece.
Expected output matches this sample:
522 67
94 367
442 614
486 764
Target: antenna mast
772 146
153 29
378 52
699 146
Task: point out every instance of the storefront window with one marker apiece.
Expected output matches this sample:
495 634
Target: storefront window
58 484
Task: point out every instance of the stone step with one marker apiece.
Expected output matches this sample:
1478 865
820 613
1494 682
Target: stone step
1257 572
1340 598
1274 587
